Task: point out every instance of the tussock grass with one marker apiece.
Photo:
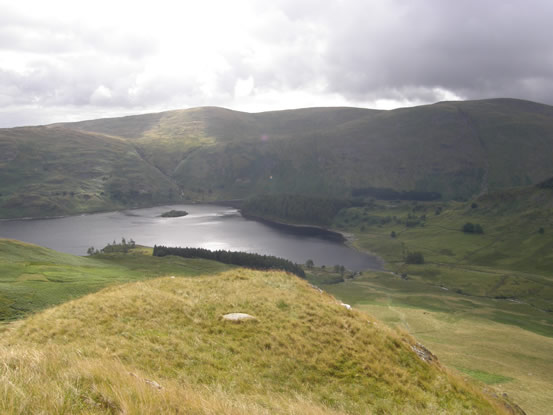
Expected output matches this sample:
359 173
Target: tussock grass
464 332
78 385
304 354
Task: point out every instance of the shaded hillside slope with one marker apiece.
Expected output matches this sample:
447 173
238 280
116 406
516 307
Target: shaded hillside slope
458 149
46 171
161 347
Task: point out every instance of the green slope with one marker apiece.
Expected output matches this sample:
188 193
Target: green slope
49 171
482 302
459 149
512 259
33 278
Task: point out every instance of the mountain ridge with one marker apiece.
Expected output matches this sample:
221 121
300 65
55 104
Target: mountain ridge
456 148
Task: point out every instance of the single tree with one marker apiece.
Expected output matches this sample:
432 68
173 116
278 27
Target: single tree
472 228
414 258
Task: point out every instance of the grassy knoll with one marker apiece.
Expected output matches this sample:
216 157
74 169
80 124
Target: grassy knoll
34 278
160 346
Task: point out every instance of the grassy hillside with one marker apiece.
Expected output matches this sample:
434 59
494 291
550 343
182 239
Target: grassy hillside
160 346
456 148
482 302
464 332
48 171
513 255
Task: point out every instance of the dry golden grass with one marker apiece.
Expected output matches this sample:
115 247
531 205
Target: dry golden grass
45 382
304 354
520 357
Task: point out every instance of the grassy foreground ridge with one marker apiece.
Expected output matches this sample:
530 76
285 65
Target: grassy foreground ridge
160 346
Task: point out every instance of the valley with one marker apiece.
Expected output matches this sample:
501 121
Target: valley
455 197
276 208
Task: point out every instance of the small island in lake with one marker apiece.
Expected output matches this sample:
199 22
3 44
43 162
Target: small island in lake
174 214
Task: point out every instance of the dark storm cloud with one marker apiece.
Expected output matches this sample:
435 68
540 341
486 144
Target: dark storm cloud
405 50
474 49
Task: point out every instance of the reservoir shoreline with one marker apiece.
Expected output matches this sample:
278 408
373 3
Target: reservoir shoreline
304 230
207 226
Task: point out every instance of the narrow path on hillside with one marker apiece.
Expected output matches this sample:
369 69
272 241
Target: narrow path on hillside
399 313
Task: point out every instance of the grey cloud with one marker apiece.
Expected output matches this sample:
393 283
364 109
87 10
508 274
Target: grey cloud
21 33
473 48
296 61
73 62
412 50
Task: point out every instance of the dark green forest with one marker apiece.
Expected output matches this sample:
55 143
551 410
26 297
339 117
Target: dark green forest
244 259
311 210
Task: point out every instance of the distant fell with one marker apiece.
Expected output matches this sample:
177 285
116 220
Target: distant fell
457 149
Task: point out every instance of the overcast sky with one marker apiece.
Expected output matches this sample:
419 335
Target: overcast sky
71 60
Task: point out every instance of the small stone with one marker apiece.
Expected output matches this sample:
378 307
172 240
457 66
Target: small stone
153 383
316 288
238 317
424 353
346 305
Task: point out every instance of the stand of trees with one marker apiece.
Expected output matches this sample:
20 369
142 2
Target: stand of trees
414 258
299 208
123 247
546 184
244 259
472 228
174 214
384 193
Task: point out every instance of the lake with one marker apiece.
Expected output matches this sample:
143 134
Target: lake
206 226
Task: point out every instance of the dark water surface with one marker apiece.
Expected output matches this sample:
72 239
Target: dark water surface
206 226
